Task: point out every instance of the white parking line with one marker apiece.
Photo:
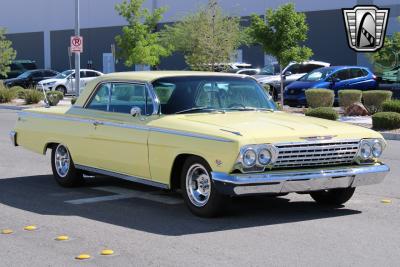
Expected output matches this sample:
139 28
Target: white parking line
124 193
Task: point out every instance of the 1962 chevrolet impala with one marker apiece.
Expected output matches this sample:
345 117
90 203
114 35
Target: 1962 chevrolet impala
211 135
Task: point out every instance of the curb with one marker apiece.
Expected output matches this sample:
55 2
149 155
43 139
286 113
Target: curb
391 136
13 107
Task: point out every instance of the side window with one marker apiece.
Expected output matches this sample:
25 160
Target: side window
311 67
341 75
294 69
100 100
357 73
83 74
91 74
125 96
36 74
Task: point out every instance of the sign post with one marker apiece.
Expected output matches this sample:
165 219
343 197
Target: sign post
77 53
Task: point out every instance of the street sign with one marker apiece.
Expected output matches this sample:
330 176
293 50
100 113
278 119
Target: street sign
76 44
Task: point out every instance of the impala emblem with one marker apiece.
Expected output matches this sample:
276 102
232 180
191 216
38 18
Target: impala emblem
318 138
366 27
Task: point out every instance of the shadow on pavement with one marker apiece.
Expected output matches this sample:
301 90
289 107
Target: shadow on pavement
41 194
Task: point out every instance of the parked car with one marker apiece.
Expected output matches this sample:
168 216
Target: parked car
17 67
392 75
211 135
335 78
267 71
250 72
291 73
30 78
65 81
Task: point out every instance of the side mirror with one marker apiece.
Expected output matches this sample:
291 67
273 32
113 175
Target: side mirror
335 80
135 112
287 73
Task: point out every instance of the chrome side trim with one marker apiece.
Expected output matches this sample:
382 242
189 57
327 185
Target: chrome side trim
123 176
124 125
13 138
302 181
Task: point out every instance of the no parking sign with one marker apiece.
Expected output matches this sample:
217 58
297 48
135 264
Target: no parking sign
76 44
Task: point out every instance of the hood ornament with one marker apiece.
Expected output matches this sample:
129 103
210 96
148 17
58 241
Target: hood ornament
318 138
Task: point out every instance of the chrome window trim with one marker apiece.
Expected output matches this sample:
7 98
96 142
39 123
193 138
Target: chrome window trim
149 89
135 179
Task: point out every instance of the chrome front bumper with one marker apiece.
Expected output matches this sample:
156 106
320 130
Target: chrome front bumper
299 181
13 138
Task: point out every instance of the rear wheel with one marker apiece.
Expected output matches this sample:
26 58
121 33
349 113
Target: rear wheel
61 89
336 196
198 189
63 167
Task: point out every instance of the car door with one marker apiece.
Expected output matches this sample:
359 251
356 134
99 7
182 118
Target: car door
361 80
118 142
340 79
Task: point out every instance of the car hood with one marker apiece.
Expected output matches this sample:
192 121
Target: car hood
264 127
269 79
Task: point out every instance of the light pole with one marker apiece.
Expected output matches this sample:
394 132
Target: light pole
77 54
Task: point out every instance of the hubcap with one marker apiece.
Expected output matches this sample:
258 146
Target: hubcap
62 161
198 185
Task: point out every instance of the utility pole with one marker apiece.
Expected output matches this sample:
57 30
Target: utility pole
77 55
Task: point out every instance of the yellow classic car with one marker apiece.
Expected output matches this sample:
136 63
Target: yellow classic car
211 135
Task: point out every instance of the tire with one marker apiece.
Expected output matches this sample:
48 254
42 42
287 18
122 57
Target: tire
61 89
205 201
63 168
337 196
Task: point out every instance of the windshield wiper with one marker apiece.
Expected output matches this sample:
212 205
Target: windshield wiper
198 109
250 109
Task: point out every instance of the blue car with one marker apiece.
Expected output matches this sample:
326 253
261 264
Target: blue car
335 78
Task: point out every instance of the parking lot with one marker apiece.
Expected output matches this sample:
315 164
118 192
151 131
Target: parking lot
145 226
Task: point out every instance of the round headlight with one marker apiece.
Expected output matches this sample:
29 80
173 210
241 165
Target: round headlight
377 150
249 158
264 156
365 151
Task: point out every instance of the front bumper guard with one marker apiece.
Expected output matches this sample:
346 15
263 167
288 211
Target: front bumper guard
299 181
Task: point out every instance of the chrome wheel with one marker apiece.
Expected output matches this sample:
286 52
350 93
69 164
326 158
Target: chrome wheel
198 185
62 161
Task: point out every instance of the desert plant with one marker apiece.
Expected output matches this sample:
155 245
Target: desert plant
53 97
18 92
323 113
391 106
5 95
319 98
349 97
374 99
386 120
33 96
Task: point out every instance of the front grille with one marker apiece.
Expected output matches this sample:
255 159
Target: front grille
308 154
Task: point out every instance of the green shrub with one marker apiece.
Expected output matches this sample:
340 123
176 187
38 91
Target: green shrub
323 113
267 88
320 98
18 92
386 120
2 85
73 100
5 95
54 97
33 96
391 106
374 99
349 97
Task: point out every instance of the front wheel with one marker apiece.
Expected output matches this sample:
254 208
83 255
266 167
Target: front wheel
336 196
63 167
198 189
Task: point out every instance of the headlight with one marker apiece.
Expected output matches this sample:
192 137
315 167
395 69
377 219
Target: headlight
377 149
365 150
249 158
370 150
264 156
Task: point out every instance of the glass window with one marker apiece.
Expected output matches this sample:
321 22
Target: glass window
204 93
341 75
49 73
357 73
100 99
125 96
294 69
37 74
91 74
83 74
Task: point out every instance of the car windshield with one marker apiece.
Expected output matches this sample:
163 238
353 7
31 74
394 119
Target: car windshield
194 94
63 74
272 69
24 75
317 75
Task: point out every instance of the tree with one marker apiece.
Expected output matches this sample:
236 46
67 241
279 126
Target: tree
280 35
389 55
139 42
206 37
7 53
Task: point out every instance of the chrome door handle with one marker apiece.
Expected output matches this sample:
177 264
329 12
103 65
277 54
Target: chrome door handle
97 123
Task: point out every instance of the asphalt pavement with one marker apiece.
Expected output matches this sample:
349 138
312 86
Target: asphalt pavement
148 227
